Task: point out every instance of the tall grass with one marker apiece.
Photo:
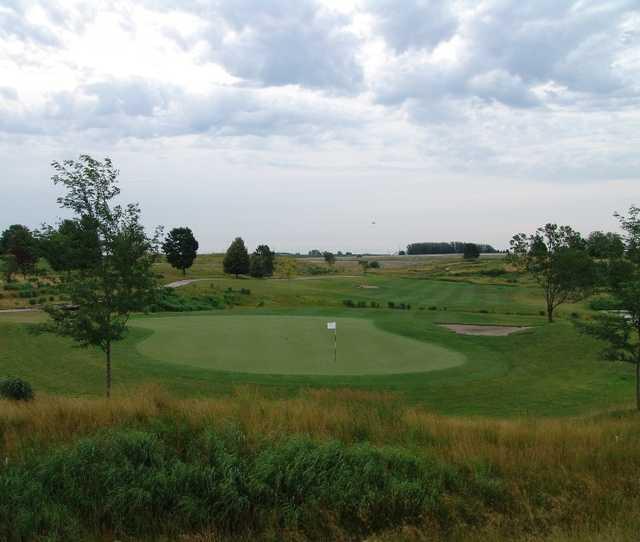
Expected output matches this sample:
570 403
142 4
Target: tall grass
336 464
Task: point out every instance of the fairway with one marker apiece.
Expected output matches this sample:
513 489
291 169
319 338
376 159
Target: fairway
294 345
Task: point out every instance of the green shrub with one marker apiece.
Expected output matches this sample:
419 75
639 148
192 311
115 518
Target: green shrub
374 264
174 480
245 291
16 389
391 305
348 303
433 308
604 304
32 301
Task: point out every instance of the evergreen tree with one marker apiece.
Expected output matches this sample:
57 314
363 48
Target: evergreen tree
262 262
236 260
180 248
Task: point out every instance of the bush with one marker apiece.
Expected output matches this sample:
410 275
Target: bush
348 303
16 389
245 291
362 304
374 305
433 308
604 304
32 301
391 305
493 272
374 264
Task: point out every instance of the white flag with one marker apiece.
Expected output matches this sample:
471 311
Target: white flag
331 325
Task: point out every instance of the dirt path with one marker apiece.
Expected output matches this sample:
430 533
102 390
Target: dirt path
486 331
186 282
6 311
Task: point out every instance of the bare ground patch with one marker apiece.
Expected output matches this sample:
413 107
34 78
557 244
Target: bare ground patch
484 330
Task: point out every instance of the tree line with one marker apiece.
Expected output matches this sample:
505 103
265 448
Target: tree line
454 247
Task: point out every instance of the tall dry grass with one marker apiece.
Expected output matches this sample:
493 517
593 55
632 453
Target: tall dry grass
565 479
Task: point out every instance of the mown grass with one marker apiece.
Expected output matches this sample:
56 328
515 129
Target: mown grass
328 464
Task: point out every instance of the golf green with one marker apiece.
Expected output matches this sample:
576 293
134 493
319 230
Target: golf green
295 345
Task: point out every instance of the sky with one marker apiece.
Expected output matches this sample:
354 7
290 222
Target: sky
356 125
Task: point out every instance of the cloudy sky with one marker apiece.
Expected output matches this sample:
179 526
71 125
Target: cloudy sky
300 123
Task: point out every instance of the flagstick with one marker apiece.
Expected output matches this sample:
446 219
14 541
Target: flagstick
335 344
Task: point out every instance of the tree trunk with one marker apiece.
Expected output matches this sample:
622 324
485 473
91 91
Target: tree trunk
108 369
550 313
184 272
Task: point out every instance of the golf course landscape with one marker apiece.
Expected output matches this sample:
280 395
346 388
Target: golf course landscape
154 393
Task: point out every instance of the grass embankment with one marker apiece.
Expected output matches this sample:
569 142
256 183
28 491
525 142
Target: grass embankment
336 464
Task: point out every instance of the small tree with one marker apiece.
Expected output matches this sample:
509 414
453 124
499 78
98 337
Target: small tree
556 257
471 251
287 266
622 331
180 248
18 241
329 257
105 291
365 265
236 260
262 262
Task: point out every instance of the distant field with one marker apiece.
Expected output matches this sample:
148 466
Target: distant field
289 345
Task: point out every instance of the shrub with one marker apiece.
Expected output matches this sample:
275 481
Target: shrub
16 389
348 303
374 305
542 313
362 304
32 301
374 264
604 304
391 305
245 291
433 308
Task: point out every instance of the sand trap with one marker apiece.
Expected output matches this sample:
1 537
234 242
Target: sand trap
487 331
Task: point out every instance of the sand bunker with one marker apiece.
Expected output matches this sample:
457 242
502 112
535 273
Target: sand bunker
487 331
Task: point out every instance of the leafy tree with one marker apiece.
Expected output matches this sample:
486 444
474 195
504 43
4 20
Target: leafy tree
365 265
18 241
375 264
622 330
315 253
180 248
556 257
236 260
329 257
9 266
262 262
74 244
471 251
103 291
605 245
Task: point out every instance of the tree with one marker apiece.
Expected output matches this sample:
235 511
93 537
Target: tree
236 260
365 265
287 266
9 266
103 291
622 330
180 248
556 257
74 244
605 245
262 262
18 241
329 257
471 251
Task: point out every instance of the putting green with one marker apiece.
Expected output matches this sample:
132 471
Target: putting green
294 345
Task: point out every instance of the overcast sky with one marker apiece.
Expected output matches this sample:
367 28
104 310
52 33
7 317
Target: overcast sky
335 124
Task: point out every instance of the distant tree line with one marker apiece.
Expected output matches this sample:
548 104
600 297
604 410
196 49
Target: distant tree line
454 247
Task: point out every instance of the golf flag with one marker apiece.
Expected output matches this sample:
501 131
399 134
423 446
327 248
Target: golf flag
331 325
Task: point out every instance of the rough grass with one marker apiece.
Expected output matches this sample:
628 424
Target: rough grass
328 464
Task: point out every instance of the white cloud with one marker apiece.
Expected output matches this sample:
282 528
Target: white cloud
385 102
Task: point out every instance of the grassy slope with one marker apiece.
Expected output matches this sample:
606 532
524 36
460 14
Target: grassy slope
318 466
